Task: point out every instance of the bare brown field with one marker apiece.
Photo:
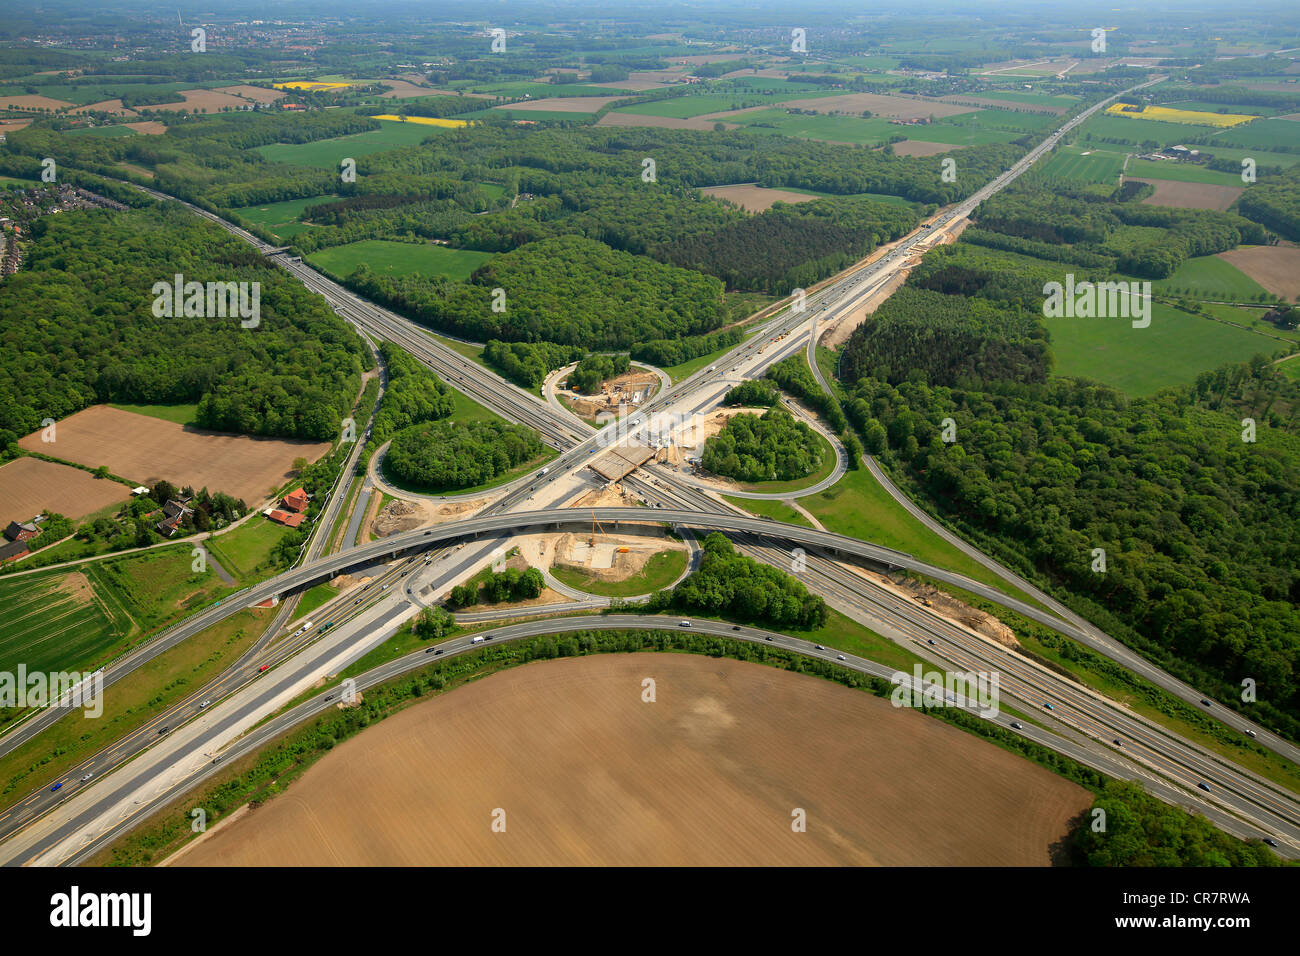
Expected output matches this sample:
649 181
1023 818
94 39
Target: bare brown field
28 486
891 107
753 197
710 774
660 122
10 125
562 104
704 59
149 127
1191 195
30 101
404 89
916 147
147 450
1276 268
106 106
255 93
210 100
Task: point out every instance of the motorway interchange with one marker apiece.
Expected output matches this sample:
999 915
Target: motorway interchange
176 750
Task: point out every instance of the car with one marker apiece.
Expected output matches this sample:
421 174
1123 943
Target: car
477 640
768 638
384 588
1204 786
839 657
735 627
86 777
264 667
684 624
1251 733
930 641
163 731
819 647
427 533
1049 707
56 786
1206 702
1016 726
437 650
1271 842
1117 742
204 704
216 760
356 602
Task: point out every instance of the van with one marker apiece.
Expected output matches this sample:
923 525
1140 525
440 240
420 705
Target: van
685 624
477 640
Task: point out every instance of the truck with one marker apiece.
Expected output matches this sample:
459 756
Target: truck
543 471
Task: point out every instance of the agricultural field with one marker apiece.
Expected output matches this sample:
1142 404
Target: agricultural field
1210 277
147 449
1166 114
281 218
247 549
55 621
685 107
180 414
1084 165
706 776
399 258
1135 131
425 121
1276 268
1262 134
1173 350
328 153
1180 195
1177 172
755 198
29 486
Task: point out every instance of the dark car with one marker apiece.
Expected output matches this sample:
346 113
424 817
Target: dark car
1049 707
163 731
1117 742
1206 702
735 627
56 786
329 697
1204 786
1271 842
1016 726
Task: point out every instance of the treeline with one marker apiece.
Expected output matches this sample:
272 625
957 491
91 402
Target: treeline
1143 831
794 377
1086 227
414 394
665 353
528 363
448 455
732 585
512 584
79 329
753 392
568 290
1275 203
594 369
791 246
771 447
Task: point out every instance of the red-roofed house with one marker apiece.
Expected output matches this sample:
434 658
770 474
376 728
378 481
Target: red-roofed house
296 500
286 518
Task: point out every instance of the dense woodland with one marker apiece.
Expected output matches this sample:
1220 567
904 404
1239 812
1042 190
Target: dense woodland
413 395
79 329
446 455
528 363
771 447
1201 530
594 369
738 587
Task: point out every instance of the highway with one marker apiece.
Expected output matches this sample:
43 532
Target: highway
1085 716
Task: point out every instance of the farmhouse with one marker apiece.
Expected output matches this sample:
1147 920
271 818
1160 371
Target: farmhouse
174 513
287 518
12 551
296 500
25 531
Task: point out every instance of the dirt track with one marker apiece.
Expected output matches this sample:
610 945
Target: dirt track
588 774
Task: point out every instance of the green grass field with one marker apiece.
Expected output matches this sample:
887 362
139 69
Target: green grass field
180 414
247 549
661 570
398 258
328 153
281 218
1261 133
776 510
1173 350
1098 166
684 107
1180 173
856 130
1209 277
1138 131
49 626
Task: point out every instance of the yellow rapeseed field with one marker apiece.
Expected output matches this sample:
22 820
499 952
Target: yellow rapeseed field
1169 115
426 120
309 85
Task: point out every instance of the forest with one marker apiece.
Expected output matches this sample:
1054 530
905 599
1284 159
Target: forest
594 369
770 447
414 394
732 585
449 455
79 330
528 363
